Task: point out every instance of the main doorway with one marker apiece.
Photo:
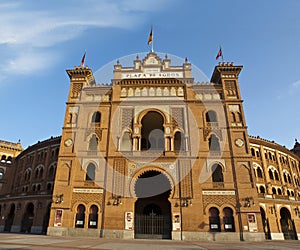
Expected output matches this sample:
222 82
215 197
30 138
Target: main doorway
152 218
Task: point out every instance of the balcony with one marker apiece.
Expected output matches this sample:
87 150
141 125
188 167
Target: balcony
218 185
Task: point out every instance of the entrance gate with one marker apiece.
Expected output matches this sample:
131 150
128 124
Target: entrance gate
152 226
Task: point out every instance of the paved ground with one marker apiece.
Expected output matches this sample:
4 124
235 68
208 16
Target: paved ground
35 242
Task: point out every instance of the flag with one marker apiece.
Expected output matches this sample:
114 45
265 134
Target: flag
150 39
219 54
82 60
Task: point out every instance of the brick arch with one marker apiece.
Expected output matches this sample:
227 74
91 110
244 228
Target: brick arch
137 174
144 112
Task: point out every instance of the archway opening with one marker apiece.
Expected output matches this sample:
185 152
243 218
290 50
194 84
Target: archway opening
152 131
152 208
265 223
10 218
28 217
287 225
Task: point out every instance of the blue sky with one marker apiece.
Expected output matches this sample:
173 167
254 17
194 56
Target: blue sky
39 40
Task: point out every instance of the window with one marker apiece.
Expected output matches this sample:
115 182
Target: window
228 220
1 173
252 151
90 172
262 189
80 215
178 141
217 173
259 173
3 158
276 175
93 144
213 143
93 217
279 191
211 116
96 118
214 220
271 174
274 190
126 142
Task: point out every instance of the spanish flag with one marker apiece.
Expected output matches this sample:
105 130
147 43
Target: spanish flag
83 59
220 54
150 39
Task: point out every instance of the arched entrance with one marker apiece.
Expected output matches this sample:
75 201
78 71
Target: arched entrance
28 217
265 223
287 225
10 218
152 208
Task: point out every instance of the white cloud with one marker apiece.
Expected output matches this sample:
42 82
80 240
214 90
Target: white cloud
27 26
296 84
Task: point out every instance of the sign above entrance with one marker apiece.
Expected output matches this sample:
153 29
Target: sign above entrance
152 75
223 192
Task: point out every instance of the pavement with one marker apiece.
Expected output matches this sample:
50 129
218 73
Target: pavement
43 242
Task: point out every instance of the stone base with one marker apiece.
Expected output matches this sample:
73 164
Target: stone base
36 230
15 229
254 236
116 234
80 232
176 235
210 236
1 228
277 236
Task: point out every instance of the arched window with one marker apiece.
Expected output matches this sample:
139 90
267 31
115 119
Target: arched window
276 175
262 189
178 141
288 192
211 116
126 142
152 131
228 220
93 217
41 172
80 215
259 172
238 117
96 118
9 159
233 119
273 190
3 158
93 144
1 173
213 143
252 151
90 172
51 171
217 173
271 174
214 220
36 173
279 191
285 178
289 178
49 187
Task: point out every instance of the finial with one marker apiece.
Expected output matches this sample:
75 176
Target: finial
166 56
137 57
118 62
186 59
296 140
